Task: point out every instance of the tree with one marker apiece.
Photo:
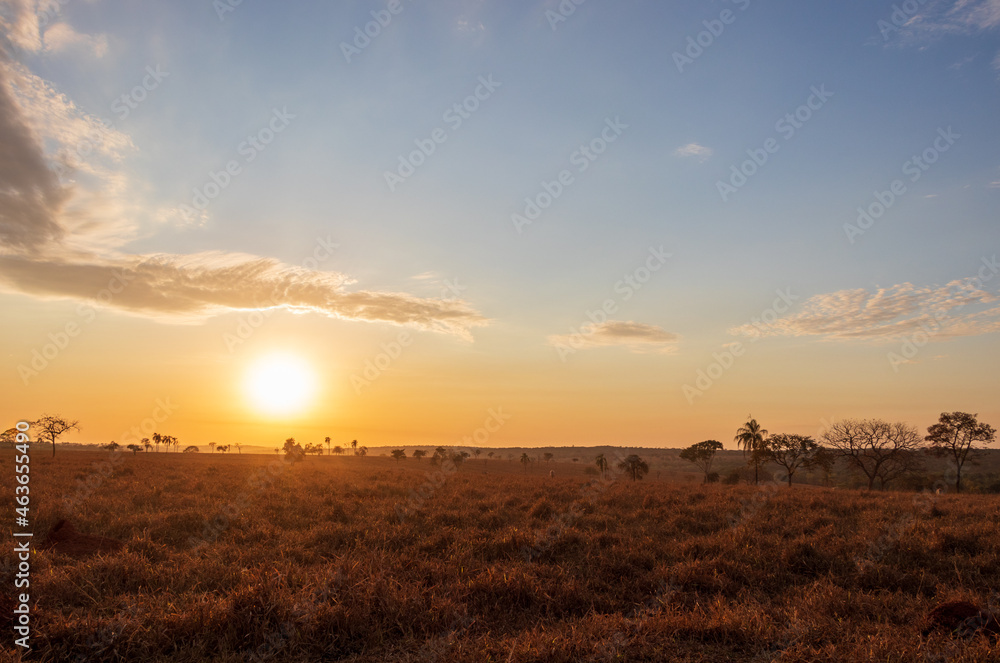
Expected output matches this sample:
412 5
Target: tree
753 439
111 446
399 454
239 448
354 445
157 440
327 440
476 452
956 435
879 449
602 463
211 445
362 451
489 455
702 454
223 448
146 444
824 460
547 457
168 441
134 447
293 450
419 453
193 450
9 436
525 459
51 427
634 466
338 450
791 452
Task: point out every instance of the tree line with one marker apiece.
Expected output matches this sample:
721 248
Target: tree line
879 451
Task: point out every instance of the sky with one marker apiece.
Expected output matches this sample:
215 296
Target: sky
492 224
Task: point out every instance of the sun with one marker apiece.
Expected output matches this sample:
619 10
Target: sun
280 384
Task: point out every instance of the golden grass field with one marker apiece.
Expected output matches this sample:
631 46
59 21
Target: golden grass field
249 558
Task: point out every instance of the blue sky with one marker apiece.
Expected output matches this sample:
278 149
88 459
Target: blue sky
558 85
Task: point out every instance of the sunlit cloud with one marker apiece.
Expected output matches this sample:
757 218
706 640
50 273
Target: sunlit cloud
68 209
960 308
62 37
636 336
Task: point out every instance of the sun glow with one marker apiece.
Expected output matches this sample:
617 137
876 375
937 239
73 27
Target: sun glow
280 384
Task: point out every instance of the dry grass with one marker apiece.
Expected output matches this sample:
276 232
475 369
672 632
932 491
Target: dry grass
318 565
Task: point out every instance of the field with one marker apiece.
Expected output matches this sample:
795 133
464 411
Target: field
250 558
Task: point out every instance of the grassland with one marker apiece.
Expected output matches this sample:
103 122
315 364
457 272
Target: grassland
248 558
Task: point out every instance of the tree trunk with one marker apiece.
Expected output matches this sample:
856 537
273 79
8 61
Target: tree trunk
789 480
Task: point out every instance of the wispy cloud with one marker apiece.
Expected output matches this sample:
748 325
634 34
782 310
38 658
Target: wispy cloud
695 150
67 213
938 18
960 308
636 336
62 37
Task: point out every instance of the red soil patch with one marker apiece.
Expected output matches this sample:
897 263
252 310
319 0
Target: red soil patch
64 538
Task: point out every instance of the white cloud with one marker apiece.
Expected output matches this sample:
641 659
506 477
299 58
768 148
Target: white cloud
62 37
960 308
693 150
636 336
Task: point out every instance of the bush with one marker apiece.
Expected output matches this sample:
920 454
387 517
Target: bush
713 477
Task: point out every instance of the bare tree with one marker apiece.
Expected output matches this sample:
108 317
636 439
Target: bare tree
51 427
956 435
879 449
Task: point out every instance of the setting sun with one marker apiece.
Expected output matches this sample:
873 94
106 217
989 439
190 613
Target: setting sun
280 384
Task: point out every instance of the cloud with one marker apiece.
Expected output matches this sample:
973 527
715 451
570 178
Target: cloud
939 18
62 37
182 288
693 150
636 336
960 308
68 208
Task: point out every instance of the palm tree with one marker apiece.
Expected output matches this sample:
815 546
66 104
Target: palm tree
635 467
157 439
327 440
354 445
602 463
145 444
525 459
753 439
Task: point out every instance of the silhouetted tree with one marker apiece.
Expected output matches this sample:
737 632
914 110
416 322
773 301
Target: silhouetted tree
525 459
879 449
50 428
338 450
602 463
956 435
399 454
702 454
753 439
362 451
193 449
293 450
327 440
634 466
823 460
145 444
791 452
134 447
419 453
239 448
547 457
157 440
211 445
111 446
354 445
